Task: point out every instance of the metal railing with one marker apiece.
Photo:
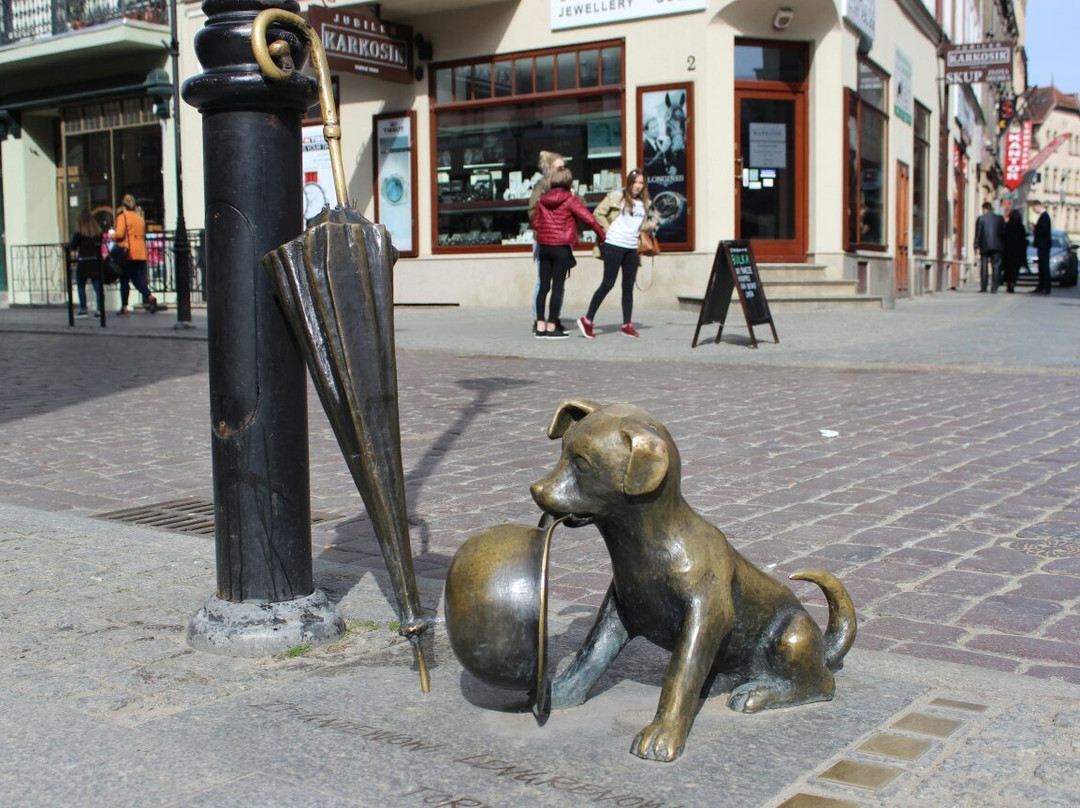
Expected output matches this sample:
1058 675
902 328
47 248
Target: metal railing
34 19
37 273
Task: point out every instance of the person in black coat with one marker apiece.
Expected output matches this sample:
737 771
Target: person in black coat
86 245
990 243
1016 245
1042 245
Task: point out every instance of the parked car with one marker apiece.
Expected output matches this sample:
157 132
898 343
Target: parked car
1062 261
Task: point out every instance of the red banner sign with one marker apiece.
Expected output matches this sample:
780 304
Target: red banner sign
1015 159
1050 148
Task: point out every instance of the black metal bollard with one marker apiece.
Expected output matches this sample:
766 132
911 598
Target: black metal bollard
266 600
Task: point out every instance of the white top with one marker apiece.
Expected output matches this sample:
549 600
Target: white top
624 230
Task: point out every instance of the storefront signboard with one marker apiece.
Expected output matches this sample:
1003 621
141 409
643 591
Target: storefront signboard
357 41
395 170
905 97
665 115
318 175
862 14
579 13
979 62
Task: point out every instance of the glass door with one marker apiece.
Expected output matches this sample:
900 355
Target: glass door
771 150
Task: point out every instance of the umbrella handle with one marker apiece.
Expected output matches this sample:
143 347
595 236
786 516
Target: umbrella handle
264 57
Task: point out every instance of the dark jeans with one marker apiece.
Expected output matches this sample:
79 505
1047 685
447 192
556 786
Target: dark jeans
88 269
134 274
1044 268
986 261
616 258
555 262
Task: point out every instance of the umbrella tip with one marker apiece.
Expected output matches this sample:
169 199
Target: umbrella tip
421 664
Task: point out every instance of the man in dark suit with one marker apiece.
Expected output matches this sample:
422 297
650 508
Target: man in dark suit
989 242
1042 246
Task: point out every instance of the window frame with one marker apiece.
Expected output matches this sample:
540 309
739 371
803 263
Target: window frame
615 87
921 144
863 106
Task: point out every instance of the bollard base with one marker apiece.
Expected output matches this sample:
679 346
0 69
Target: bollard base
264 629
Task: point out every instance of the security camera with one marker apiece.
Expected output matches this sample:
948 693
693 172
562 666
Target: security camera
782 19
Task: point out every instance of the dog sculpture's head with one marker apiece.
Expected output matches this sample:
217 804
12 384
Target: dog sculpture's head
612 456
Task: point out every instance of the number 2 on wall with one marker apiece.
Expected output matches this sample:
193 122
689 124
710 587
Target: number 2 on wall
691 63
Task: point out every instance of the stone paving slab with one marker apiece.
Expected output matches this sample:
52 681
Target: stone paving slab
120 712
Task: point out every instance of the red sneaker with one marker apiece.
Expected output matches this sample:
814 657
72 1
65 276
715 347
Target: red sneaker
628 329
586 327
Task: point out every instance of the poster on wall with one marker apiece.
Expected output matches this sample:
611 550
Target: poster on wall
395 170
905 96
318 174
665 149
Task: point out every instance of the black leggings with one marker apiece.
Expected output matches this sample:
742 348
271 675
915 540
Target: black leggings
614 259
555 262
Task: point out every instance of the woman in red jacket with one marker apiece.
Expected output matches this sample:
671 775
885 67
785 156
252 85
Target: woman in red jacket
555 223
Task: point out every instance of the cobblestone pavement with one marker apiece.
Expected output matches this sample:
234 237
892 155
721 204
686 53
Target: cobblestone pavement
948 499
949 502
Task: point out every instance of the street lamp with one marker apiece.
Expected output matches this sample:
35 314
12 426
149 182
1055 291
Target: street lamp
181 248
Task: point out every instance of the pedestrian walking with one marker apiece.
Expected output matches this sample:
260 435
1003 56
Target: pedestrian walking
624 213
989 243
131 235
1041 239
86 245
555 222
1016 245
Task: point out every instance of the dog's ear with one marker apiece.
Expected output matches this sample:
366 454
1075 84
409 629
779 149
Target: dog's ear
570 412
648 463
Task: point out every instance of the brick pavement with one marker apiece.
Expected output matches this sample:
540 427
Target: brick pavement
948 503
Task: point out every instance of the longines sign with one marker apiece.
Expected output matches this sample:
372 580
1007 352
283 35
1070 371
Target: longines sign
979 62
356 41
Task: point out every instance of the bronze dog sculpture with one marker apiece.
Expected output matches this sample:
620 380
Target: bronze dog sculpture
677 582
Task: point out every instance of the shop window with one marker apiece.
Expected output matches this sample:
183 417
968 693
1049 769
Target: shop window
920 180
754 62
865 167
488 145
111 149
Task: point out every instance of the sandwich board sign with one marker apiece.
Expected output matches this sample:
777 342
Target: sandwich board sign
734 269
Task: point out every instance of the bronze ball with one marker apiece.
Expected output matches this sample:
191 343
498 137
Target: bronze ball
496 607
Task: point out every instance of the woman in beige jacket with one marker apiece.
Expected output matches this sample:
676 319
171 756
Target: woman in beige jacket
624 214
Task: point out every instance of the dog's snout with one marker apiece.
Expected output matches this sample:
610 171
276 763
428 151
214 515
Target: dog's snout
539 491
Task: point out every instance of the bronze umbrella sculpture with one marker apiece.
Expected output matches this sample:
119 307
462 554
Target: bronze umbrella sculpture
334 283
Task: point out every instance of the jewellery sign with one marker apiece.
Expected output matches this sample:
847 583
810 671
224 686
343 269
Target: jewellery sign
356 41
578 13
989 62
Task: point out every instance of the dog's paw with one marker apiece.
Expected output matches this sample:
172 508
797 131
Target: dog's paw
752 697
656 742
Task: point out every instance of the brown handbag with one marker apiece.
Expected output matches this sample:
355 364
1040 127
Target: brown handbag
647 244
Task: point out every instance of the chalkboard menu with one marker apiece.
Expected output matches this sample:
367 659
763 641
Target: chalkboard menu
734 269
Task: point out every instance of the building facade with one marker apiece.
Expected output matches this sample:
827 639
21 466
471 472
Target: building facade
820 130
1057 182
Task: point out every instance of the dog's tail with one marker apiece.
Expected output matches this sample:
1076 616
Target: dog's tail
840 633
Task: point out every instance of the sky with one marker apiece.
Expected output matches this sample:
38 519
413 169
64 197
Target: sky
1053 30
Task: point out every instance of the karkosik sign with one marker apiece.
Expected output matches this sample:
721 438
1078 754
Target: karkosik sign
356 41
977 63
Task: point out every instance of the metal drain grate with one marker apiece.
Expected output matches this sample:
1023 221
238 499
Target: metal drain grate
187 515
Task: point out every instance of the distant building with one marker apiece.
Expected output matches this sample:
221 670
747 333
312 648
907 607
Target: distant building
1054 113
